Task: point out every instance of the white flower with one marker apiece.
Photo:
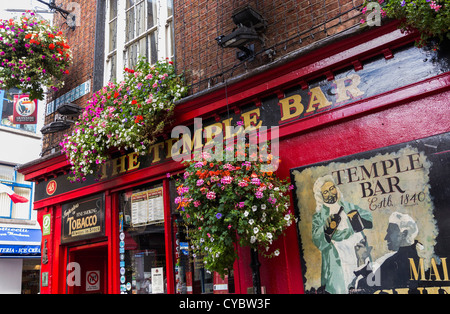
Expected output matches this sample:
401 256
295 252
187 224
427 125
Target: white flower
252 239
269 235
245 213
255 230
251 221
254 208
263 206
277 252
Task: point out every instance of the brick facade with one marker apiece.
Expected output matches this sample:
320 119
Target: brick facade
82 43
292 25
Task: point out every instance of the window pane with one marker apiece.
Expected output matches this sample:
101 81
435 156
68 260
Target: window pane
140 19
113 68
112 9
130 25
169 7
151 13
142 248
143 44
169 43
132 55
21 210
153 48
191 276
5 205
6 173
20 178
130 3
113 35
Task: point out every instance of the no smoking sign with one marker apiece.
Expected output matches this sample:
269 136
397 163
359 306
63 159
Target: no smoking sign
93 280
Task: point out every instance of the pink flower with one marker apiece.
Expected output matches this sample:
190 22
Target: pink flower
226 180
197 203
255 181
259 194
242 183
210 195
200 182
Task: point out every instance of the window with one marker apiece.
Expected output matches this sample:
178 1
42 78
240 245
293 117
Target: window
142 241
137 28
16 181
112 42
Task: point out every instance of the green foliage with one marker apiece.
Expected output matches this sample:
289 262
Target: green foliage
230 202
128 115
33 54
430 17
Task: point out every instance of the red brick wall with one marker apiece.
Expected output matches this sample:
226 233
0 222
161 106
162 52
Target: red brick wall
292 24
81 41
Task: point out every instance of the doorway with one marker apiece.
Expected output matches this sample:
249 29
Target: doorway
88 269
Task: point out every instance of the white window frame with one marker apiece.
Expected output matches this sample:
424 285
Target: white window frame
163 29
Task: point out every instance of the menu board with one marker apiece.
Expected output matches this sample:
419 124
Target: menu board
147 207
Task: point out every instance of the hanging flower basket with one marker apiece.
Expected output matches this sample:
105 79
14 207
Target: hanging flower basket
430 17
229 203
33 54
129 115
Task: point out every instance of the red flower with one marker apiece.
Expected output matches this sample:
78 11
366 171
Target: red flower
51 46
134 102
116 94
138 119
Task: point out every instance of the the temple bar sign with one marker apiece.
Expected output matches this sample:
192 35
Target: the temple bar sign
83 219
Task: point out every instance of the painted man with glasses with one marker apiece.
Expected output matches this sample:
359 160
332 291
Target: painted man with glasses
337 228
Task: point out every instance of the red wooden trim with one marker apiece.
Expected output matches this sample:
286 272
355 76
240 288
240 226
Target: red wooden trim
113 247
45 167
401 95
168 239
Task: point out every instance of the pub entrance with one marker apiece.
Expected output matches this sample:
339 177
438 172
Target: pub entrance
87 269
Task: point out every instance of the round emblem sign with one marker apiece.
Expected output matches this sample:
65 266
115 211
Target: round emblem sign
25 107
51 187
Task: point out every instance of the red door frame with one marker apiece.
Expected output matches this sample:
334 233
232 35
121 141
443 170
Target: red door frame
73 255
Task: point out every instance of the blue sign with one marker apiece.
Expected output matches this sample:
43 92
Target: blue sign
20 242
20 250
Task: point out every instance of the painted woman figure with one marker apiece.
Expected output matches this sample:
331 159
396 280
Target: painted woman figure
339 260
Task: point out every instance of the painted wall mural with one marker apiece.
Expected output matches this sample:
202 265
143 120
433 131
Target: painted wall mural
378 221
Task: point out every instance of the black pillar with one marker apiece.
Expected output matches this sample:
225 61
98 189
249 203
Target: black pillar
255 264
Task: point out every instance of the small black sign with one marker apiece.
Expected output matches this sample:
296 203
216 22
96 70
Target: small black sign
83 219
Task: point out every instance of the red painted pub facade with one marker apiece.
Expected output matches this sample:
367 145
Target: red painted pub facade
370 109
